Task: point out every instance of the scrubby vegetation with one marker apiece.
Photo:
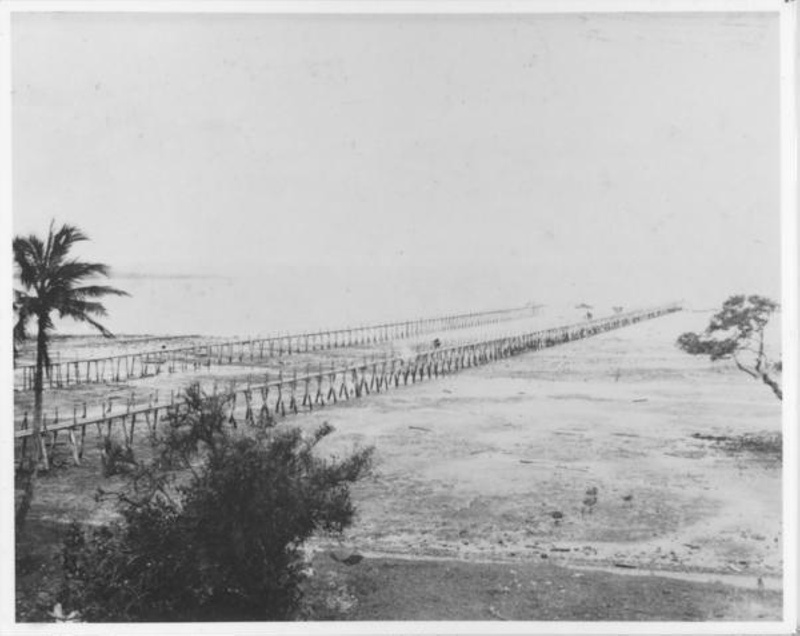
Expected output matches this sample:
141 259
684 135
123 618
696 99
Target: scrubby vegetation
736 332
213 527
765 444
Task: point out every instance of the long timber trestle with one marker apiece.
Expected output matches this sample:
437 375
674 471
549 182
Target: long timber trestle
120 368
283 396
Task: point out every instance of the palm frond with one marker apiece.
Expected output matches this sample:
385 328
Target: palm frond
28 256
48 247
75 309
87 319
74 271
63 240
82 311
24 304
21 317
53 283
96 291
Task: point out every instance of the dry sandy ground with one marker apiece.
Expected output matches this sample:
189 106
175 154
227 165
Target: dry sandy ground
475 465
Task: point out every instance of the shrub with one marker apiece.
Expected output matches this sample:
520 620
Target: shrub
115 458
736 332
224 544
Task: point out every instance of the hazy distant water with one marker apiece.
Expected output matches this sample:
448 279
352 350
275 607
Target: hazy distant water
297 299
315 298
302 299
247 305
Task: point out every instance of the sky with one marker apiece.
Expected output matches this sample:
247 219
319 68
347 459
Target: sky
502 158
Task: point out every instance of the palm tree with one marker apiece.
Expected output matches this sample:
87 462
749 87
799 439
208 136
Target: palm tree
52 282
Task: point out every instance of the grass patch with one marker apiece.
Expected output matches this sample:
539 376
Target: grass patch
382 589
398 589
765 444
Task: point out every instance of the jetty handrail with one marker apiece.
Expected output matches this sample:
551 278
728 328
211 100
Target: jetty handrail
58 373
515 344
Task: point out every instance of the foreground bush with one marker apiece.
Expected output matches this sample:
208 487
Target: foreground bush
224 544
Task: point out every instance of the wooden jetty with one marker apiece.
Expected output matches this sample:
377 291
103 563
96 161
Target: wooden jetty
119 368
282 396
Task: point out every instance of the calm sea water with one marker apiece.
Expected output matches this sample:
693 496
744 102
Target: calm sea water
248 305
318 298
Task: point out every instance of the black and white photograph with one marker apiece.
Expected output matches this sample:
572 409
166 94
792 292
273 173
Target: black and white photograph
400 317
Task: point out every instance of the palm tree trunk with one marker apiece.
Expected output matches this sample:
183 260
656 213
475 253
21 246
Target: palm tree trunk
25 479
28 471
38 389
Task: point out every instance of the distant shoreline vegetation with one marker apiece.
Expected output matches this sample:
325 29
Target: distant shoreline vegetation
121 337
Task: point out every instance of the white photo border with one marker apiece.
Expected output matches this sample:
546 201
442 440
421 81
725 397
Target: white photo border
790 238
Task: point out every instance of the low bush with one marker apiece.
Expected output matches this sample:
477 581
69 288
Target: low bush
224 543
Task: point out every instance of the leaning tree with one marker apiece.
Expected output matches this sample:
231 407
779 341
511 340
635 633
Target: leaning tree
736 332
50 282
